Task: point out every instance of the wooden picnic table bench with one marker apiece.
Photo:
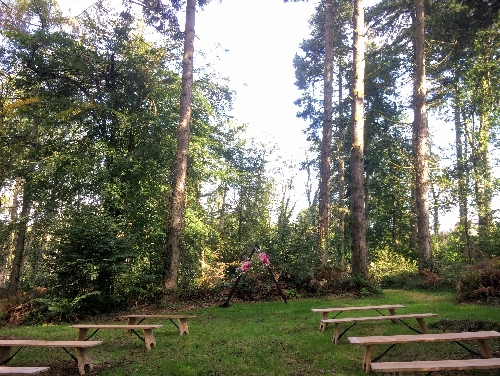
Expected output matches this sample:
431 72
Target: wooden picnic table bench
147 330
397 368
82 350
18 371
182 320
369 341
325 311
418 316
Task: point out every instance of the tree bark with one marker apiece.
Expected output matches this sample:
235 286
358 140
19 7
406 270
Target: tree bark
181 162
358 222
326 141
461 177
340 153
483 183
422 141
22 229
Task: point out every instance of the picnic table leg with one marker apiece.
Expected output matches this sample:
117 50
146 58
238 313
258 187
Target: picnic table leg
83 358
4 353
82 334
485 350
183 325
421 325
336 333
131 321
322 325
367 359
149 338
392 311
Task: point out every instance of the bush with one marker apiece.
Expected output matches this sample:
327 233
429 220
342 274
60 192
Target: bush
393 270
480 283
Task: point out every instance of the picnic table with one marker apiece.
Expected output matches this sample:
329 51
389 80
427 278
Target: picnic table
325 311
368 342
395 318
19 371
147 330
182 320
82 350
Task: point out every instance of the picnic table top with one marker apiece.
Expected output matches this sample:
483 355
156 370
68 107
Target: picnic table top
116 326
43 343
5 370
440 337
358 308
159 316
375 318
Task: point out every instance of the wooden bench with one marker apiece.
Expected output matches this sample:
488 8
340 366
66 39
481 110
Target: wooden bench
18 371
182 319
82 350
418 316
325 311
436 365
368 342
147 330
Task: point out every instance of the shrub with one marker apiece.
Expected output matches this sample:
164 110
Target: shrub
480 283
393 270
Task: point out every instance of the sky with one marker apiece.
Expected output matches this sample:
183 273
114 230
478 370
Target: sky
262 38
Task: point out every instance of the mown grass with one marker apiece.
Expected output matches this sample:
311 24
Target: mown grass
269 338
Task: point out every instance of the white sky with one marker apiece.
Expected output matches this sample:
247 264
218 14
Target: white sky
262 38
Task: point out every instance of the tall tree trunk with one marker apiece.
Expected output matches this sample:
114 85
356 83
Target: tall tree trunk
461 176
340 153
181 162
413 236
483 183
358 223
22 229
326 141
422 142
478 141
9 243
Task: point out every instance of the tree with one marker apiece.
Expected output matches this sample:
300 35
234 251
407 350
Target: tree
326 140
157 13
421 136
181 161
358 223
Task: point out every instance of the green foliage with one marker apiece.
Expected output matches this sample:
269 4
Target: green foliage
392 270
91 253
480 283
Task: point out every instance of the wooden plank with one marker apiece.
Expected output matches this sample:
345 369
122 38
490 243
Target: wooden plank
337 322
181 319
18 371
161 316
31 342
408 338
325 311
379 318
147 330
358 308
113 326
436 365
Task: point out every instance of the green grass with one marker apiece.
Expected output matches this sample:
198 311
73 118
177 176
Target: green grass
270 338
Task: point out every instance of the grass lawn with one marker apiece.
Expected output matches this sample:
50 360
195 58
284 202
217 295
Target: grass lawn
270 338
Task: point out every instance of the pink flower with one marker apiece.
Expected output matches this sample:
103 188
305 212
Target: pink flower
245 266
264 259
